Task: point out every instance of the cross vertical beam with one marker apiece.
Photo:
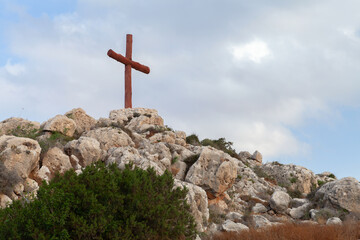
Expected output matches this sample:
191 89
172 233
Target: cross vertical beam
128 88
129 64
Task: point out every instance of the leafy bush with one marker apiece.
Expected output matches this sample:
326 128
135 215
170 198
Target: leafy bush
332 176
193 139
320 183
222 145
293 179
102 203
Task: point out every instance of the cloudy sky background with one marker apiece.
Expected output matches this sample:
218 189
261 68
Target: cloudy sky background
281 77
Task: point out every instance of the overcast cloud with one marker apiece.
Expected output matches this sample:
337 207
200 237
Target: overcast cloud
250 71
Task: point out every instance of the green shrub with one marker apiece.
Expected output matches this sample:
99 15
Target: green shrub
332 176
293 179
320 183
222 145
102 203
193 139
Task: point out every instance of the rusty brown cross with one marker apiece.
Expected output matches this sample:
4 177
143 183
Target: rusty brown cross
129 63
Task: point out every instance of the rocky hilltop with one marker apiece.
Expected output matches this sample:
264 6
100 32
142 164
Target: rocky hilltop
228 191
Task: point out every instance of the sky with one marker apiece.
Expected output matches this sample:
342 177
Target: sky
280 77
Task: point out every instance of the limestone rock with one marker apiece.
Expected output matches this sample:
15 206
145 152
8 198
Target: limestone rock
125 155
18 126
300 211
257 157
334 221
86 149
138 119
109 137
261 221
215 171
61 124
259 208
18 157
56 161
297 202
31 186
83 121
343 193
197 199
166 137
280 201
230 226
179 169
296 178
42 174
4 201
234 216
75 162
180 138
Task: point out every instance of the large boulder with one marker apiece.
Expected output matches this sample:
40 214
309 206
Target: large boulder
18 127
61 124
86 149
215 171
343 193
56 161
197 199
295 178
18 157
110 137
280 201
83 121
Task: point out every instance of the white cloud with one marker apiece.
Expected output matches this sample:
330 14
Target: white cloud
14 69
254 51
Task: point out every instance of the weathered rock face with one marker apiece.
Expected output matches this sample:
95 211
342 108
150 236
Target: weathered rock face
86 149
214 171
17 125
343 193
83 121
56 161
280 201
61 124
110 137
259 208
295 178
125 155
257 157
137 119
18 157
198 202
300 211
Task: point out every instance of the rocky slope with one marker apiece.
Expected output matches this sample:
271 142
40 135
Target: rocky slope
226 193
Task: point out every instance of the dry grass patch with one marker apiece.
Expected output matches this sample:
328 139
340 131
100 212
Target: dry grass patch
348 231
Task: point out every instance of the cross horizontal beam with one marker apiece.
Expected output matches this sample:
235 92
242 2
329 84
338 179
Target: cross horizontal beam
120 58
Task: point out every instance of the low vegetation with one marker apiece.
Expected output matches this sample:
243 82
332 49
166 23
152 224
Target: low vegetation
102 203
347 231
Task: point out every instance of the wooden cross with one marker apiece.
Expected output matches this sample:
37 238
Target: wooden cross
129 63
